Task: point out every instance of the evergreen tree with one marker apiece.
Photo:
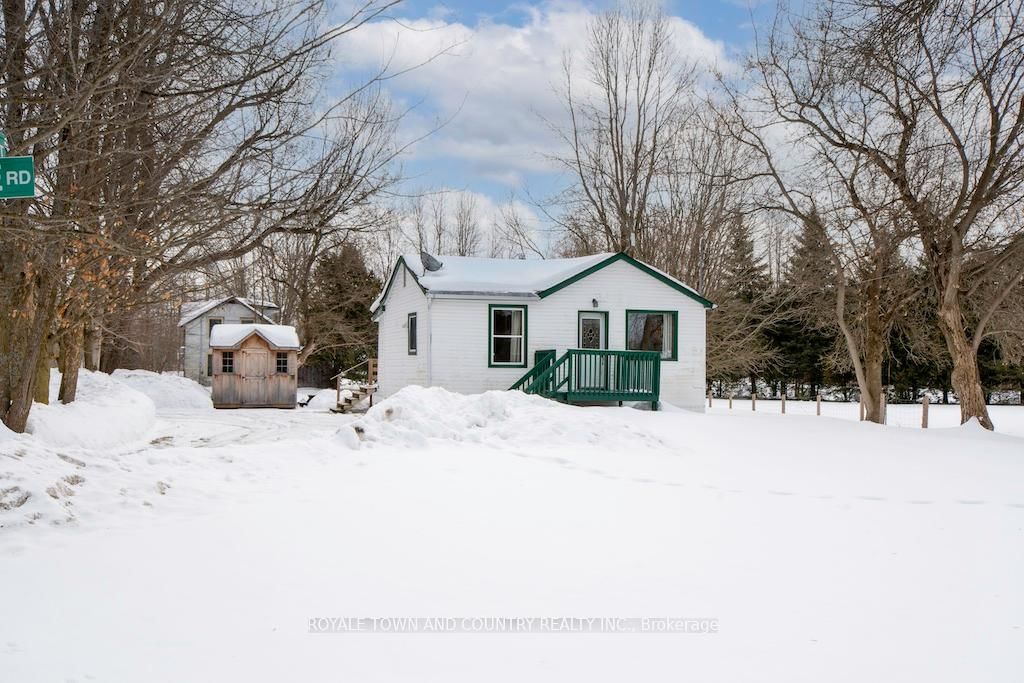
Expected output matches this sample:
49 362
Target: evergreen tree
737 342
802 336
335 320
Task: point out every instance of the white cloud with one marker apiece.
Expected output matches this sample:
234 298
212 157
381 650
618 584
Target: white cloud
496 81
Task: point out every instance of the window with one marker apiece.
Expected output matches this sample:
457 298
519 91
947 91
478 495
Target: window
227 362
282 362
209 365
248 321
507 332
411 333
652 331
214 321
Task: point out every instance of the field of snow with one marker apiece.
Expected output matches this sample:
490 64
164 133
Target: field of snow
215 545
1009 419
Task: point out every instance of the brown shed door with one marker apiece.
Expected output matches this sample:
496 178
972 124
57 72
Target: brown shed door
255 371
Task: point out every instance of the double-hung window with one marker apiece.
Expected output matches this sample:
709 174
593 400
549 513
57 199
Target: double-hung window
507 343
227 362
282 362
411 333
652 331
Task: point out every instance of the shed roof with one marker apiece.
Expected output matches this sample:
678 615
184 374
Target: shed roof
469 276
231 335
190 310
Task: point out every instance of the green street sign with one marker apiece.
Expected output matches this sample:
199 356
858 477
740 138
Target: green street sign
17 178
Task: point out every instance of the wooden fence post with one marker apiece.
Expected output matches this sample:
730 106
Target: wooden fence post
819 405
730 401
783 404
753 401
924 412
882 405
862 410
709 399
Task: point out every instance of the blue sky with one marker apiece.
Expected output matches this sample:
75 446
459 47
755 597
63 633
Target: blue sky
495 85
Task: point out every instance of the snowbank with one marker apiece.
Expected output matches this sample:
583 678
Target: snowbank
168 392
105 413
325 399
503 419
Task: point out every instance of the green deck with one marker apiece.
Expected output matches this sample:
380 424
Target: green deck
593 375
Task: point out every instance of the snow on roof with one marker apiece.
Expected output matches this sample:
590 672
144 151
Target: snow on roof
499 276
230 335
495 276
469 275
190 310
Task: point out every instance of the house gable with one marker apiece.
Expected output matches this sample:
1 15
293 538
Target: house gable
195 310
622 256
378 305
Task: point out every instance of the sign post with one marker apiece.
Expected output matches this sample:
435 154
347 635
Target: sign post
17 174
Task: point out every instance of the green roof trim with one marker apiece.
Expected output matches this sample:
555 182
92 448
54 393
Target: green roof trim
622 256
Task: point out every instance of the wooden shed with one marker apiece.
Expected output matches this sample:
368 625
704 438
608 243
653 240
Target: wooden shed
254 366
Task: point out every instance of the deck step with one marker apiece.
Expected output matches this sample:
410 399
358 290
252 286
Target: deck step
356 394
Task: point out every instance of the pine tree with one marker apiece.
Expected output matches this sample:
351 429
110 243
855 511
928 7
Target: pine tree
335 320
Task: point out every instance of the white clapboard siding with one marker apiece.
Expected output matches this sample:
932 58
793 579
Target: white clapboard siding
396 366
458 337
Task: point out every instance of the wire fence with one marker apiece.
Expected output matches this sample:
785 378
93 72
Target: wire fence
939 415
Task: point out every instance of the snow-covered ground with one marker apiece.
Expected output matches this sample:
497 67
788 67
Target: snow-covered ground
1009 419
202 546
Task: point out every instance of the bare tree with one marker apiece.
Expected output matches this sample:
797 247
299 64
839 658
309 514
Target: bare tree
623 116
466 237
930 99
511 234
167 136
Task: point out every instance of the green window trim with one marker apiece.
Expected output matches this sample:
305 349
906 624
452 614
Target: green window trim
411 334
579 325
490 334
675 330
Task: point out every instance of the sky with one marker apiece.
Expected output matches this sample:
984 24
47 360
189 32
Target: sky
485 84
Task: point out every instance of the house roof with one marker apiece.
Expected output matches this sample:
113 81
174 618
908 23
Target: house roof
190 310
230 335
471 276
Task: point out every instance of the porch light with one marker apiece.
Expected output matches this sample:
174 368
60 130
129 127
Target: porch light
594 302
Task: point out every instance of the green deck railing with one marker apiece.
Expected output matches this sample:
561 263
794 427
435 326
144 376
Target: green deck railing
585 375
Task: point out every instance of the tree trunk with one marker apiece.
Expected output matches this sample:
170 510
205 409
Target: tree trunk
41 388
92 341
69 361
871 391
965 378
22 348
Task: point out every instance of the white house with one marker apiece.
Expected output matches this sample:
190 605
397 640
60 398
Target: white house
199 317
472 324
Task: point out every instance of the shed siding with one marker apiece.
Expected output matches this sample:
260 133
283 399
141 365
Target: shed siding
396 367
254 382
459 342
197 338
